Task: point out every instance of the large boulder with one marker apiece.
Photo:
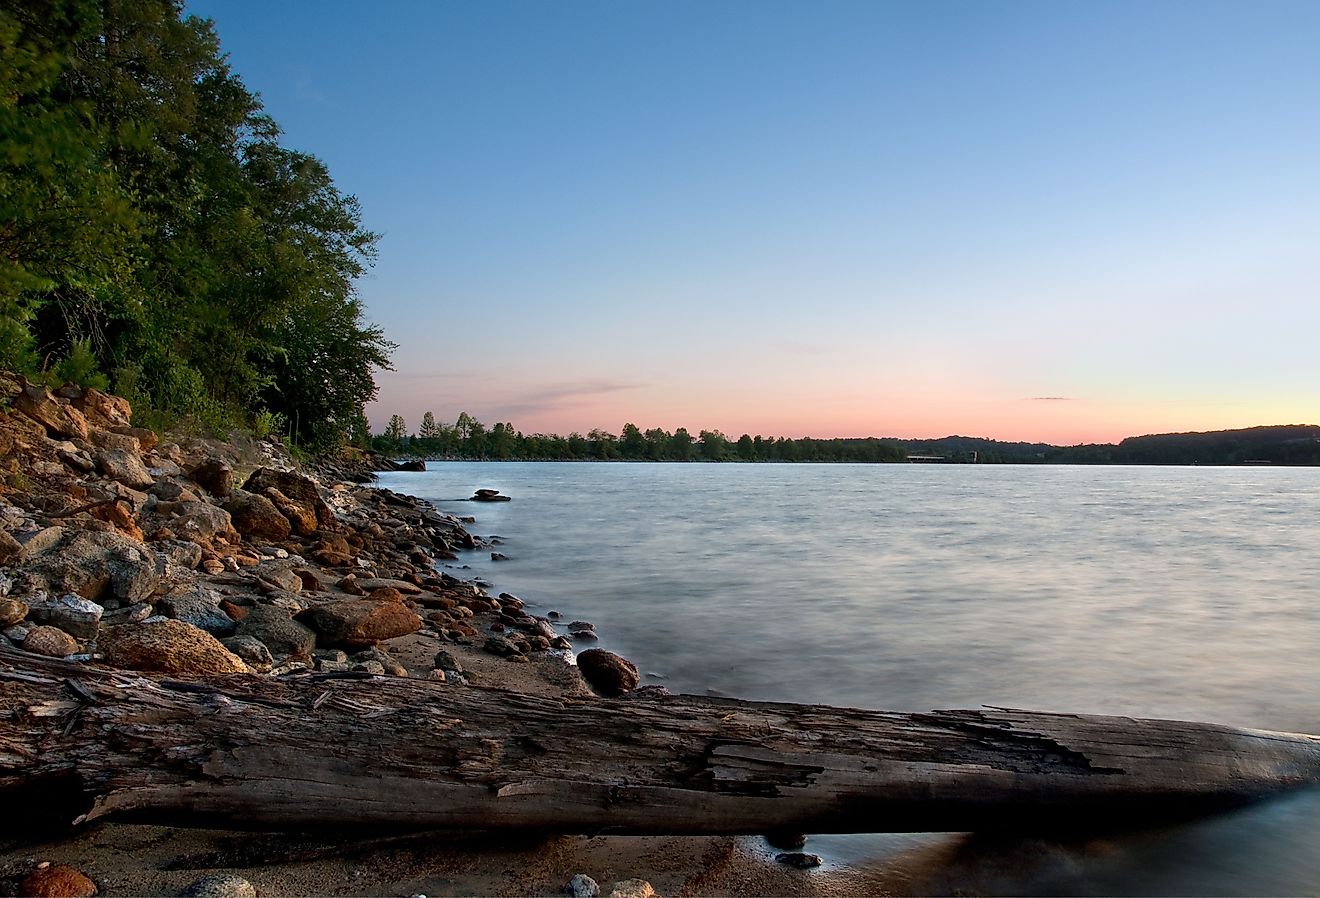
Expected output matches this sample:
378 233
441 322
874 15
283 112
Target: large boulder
256 517
60 419
197 522
92 564
277 630
299 492
168 646
607 673
215 476
356 622
102 409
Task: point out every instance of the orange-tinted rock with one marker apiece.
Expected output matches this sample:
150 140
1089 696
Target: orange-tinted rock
360 622
57 881
168 646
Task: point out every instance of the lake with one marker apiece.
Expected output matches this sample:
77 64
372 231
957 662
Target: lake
1188 593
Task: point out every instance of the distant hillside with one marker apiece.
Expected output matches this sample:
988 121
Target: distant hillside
1284 444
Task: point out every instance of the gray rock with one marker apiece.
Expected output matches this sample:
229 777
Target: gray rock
387 662
445 661
220 886
92 564
578 626
72 614
281 633
124 467
339 656
18 632
200 520
201 608
799 859
131 614
181 553
582 886
371 667
252 650
498 645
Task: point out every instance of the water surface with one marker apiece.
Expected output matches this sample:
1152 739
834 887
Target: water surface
1162 592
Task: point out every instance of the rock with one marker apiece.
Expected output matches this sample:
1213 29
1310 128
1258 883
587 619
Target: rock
437 676
256 517
498 556
310 581
385 594
220 886
300 491
11 612
129 615
375 668
252 650
168 646
56 881
632 888
561 644
578 626
108 439
180 553
387 662
282 634
584 635
72 614
200 521
582 886
201 608
373 583
147 439
215 476
232 610
498 645
787 841
607 673
61 421
10 548
357 622
445 661
415 465
50 641
799 860
332 550
278 574
124 467
103 410
91 564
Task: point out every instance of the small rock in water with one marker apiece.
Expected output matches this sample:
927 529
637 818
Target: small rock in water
561 644
554 615
578 625
498 556
220 886
582 886
799 859
632 888
584 635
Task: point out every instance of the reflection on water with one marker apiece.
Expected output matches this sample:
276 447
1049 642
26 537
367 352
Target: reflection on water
1164 592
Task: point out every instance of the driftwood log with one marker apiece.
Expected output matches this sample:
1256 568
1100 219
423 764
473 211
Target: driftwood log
330 751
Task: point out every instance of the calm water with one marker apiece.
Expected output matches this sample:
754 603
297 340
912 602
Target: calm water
1165 592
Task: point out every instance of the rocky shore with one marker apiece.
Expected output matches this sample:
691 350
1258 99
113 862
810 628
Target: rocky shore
189 556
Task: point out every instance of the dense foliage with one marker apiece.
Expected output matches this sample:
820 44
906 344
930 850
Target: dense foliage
155 234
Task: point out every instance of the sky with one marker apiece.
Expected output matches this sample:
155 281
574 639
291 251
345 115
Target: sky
1061 222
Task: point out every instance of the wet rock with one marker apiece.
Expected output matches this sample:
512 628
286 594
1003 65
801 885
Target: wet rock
584 635
498 556
607 673
57 881
360 622
632 888
60 420
168 646
11 612
281 633
799 860
579 626
201 608
582 886
220 886
215 476
72 614
561 644
252 650
256 517
124 467
50 641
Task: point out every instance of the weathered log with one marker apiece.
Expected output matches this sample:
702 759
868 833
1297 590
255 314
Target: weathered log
324 750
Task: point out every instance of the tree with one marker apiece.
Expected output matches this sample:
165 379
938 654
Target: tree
396 430
746 448
713 445
680 445
632 444
428 430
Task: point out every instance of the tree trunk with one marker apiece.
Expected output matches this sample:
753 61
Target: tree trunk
333 750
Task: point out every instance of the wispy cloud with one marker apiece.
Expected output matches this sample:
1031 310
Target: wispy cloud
557 397
1051 399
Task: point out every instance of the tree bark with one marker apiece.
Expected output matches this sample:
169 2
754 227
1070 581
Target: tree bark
335 751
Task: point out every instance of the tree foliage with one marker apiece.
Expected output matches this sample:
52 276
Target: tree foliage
152 223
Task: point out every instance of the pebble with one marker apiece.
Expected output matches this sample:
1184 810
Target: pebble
582 886
220 886
799 859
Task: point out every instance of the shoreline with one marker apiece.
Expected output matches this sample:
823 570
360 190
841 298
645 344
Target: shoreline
286 576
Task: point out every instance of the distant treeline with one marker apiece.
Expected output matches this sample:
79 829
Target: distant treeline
468 438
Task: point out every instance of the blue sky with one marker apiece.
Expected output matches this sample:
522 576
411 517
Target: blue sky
822 218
